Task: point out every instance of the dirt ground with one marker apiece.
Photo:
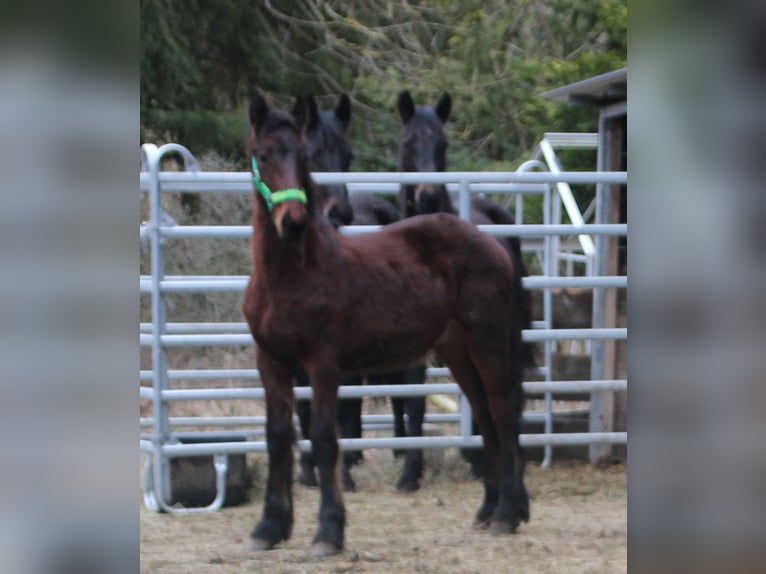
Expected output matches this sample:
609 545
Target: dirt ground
578 524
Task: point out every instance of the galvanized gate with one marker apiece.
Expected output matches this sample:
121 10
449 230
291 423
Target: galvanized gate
160 443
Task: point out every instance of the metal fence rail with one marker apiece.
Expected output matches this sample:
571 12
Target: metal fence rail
161 443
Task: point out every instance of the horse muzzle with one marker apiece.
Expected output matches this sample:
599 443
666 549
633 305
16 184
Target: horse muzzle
291 220
339 214
426 198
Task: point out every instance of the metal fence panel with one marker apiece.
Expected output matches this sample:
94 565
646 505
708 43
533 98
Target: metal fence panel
160 335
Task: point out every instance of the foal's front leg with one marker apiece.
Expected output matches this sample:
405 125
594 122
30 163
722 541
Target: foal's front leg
324 377
277 520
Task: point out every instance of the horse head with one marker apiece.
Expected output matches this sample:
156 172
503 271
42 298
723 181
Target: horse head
280 167
423 148
328 149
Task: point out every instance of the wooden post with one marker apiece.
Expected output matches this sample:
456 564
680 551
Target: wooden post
602 404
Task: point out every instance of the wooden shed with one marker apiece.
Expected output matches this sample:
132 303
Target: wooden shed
607 94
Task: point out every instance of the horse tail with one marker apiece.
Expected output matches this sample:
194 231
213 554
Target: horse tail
523 298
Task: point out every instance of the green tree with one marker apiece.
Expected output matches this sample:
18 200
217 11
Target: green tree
202 59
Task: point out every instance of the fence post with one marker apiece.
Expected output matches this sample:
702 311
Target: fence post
161 432
601 403
464 210
549 265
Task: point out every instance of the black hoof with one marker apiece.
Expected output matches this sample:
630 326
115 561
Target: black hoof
483 516
500 527
322 549
270 531
407 484
348 483
259 545
329 537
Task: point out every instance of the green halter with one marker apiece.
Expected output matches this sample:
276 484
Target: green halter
278 197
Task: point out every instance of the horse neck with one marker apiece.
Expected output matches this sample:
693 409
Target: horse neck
275 260
445 202
272 257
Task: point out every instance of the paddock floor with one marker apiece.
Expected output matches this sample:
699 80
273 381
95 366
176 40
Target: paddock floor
578 525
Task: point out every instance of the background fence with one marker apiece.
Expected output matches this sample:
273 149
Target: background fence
556 246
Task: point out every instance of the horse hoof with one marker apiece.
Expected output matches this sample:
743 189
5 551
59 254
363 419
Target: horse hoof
499 527
407 485
322 549
259 544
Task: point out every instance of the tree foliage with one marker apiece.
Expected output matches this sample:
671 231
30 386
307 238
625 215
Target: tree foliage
202 60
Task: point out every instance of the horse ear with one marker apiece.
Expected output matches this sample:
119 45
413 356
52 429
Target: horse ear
259 109
313 113
443 107
406 106
300 112
343 110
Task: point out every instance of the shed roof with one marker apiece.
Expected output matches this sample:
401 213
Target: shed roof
598 91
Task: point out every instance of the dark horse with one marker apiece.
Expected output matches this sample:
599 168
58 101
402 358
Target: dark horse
328 149
376 210
334 305
423 148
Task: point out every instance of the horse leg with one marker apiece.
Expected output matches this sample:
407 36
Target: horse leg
474 456
502 382
324 378
303 408
415 408
350 425
397 404
454 353
277 519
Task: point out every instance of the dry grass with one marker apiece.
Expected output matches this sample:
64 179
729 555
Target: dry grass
578 512
578 525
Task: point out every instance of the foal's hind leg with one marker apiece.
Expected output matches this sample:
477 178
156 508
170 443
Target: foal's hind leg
474 456
455 355
502 383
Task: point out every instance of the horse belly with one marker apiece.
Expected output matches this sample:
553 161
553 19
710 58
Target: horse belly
381 353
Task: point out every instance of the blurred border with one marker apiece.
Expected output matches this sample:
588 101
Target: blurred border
69 305
697 221
69 126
